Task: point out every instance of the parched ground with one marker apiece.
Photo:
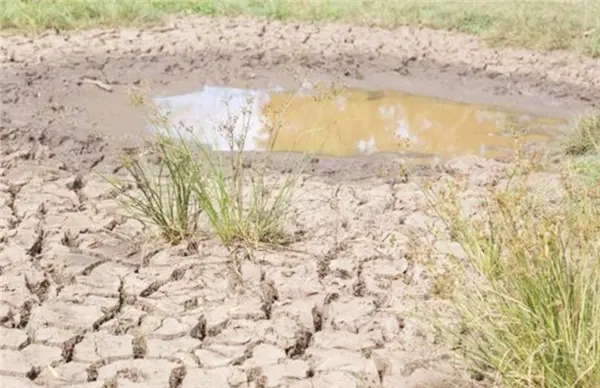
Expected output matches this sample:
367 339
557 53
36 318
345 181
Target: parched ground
89 299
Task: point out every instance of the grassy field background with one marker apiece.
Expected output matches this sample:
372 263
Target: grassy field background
540 25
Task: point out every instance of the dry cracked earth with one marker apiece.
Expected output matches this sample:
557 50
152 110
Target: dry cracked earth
89 299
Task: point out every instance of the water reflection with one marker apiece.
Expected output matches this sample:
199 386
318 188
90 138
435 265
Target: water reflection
350 122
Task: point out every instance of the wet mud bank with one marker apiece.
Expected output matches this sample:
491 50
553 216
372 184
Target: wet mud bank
48 98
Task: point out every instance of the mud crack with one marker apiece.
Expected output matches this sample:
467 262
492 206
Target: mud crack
302 342
33 373
36 248
75 186
88 270
41 289
178 274
140 346
177 376
92 370
68 347
13 191
199 330
152 288
25 314
268 295
359 287
113 311
247 354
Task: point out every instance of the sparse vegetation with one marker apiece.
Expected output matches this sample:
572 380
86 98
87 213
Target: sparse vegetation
575 23
529 301
239 201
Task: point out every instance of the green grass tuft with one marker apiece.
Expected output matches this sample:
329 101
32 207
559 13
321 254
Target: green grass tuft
164 195
529 300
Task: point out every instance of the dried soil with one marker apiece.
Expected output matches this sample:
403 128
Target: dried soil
88 301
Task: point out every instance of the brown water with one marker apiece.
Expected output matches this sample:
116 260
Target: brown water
350 122
355 121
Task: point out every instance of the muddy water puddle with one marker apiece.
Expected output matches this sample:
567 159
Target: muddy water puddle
349 122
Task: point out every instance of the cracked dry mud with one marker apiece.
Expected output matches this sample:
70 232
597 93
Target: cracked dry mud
86 299
87 303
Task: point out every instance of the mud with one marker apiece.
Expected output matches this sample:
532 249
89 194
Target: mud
89 299
44 90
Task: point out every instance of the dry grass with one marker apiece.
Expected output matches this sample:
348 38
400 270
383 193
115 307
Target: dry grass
529 299
575 24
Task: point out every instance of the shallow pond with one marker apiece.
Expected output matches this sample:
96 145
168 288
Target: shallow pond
346 122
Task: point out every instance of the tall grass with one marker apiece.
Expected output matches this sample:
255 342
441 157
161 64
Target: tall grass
240 203
529 302
575 24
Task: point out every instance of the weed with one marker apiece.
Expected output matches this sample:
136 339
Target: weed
529 301
235 195
164 197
